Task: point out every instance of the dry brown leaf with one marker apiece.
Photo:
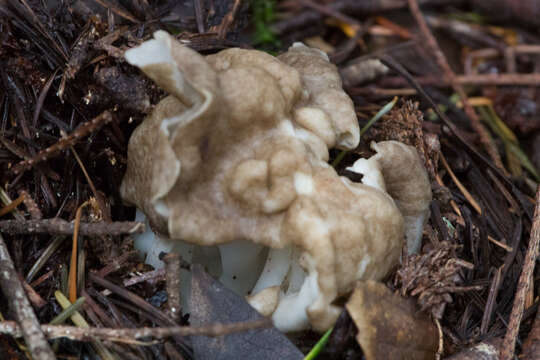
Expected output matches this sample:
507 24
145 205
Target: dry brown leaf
389 326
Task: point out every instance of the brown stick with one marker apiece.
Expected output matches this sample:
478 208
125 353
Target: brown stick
115 264
35 299
228 19
129 334
306 18
469 79
172 277
332 12
160 317
155 275
531 346
62 227
31 206
509 343
199 16
82 131
451 77
14 292
115 9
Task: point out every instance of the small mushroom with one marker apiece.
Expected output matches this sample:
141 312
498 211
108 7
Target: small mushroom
233 162
405 180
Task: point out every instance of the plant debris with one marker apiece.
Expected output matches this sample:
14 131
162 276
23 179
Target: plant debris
212 302
432 277
389 326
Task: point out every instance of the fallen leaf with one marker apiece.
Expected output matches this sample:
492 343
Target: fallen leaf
212 303
390 326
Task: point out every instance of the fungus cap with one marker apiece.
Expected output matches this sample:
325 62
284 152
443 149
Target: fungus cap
237 152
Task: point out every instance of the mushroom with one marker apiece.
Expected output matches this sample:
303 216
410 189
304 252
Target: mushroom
233 162
405 180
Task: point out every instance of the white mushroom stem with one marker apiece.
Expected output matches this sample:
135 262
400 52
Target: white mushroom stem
237 265
241 264
285 291
150 245
275 269
290 314
282 289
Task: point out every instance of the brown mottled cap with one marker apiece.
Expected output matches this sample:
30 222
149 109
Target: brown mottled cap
237 152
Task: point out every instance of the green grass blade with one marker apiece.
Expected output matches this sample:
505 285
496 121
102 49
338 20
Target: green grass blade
68 312
319 345
524 160
385 109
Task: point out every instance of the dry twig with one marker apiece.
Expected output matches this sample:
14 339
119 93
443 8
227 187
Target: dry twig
451 77
332 12
199 16
31 206
58 226
509 343
531 347
227 20
306 18
469 79
172 268
160 317
129 335
391 63
66 142
14 292
154 275
35 299
118 11
115 264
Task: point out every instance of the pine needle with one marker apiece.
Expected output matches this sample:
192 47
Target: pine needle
72 282
319 345
9 208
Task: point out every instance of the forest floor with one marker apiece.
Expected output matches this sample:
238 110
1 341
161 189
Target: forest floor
456 79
